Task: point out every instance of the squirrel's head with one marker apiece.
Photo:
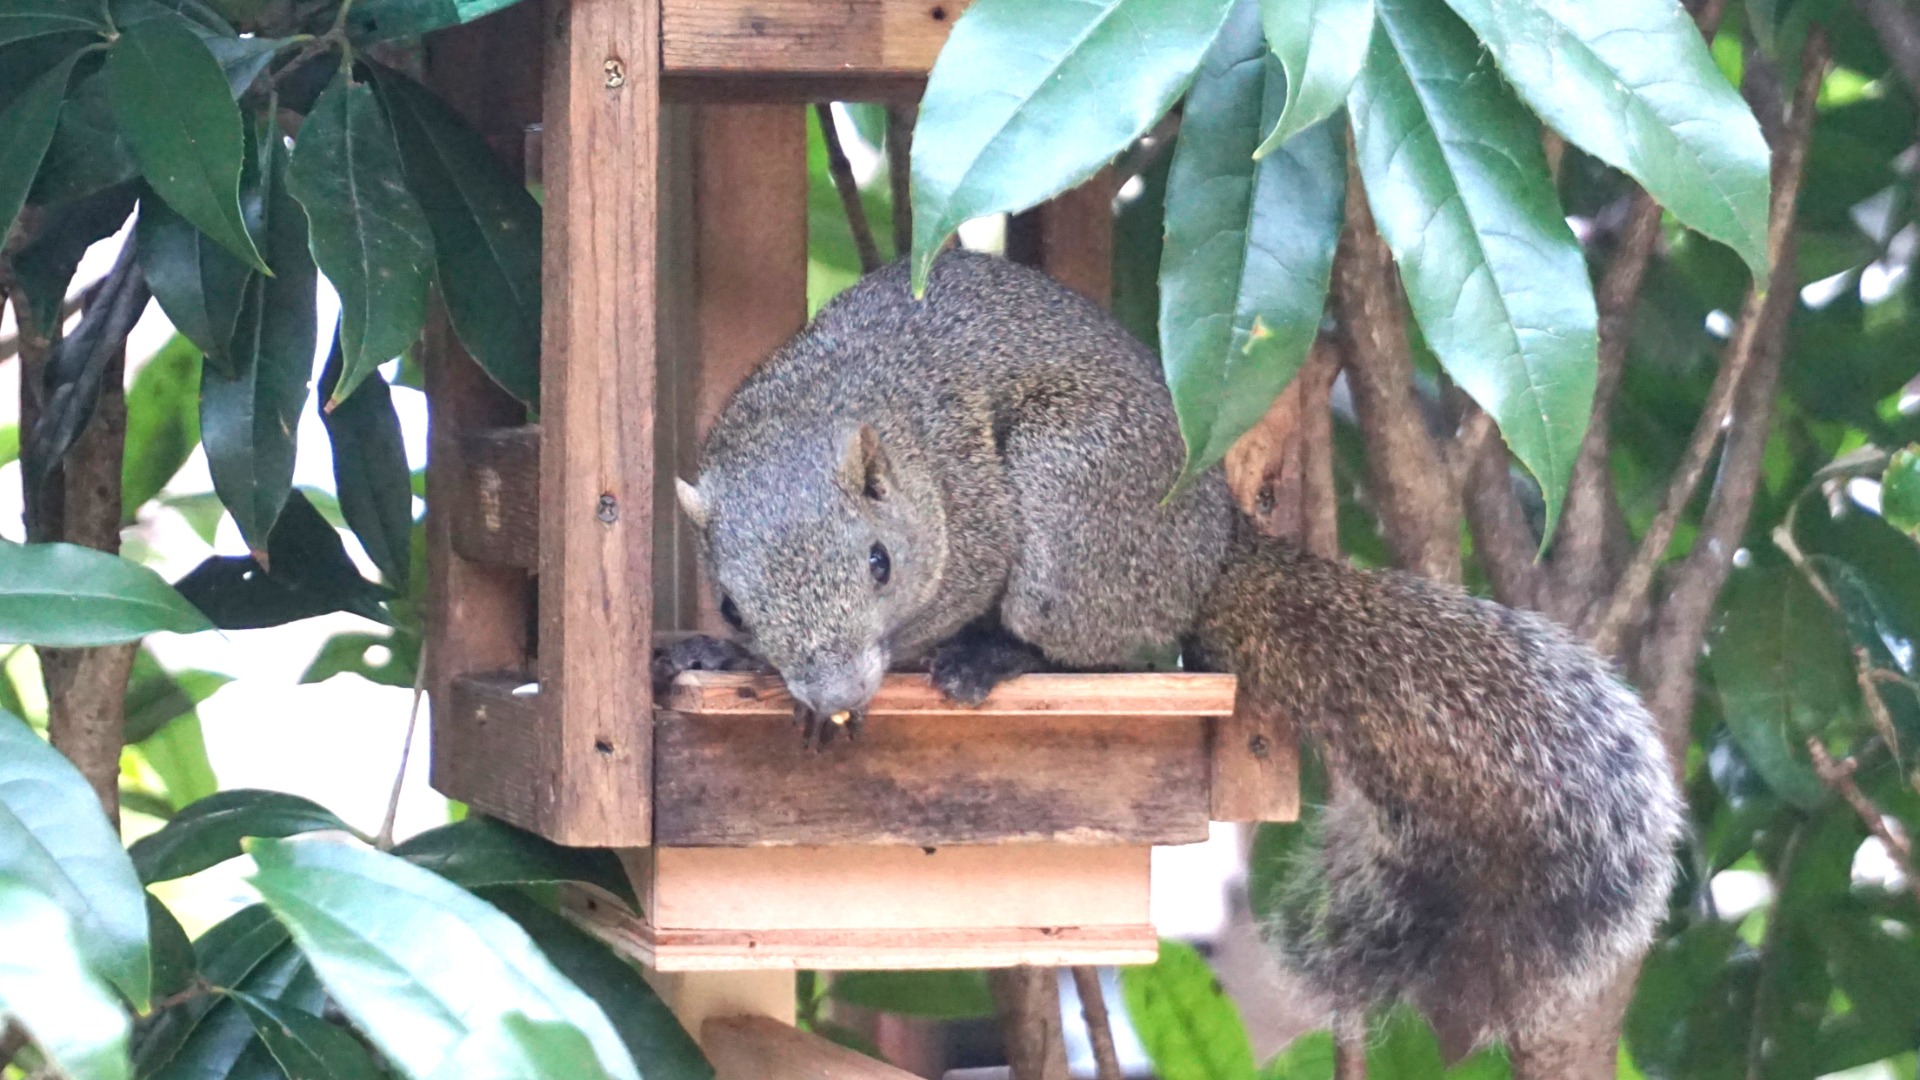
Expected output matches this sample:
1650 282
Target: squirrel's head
818 555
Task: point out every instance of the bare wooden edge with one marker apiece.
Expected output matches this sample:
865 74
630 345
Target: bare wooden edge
492 757
856 950
849 39
1255 759
1155 695
759 1048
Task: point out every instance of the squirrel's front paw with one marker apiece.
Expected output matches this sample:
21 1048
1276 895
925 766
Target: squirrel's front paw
699 652
967 668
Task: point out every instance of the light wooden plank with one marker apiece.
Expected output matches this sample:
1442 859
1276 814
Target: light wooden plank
1144 695
1256 766
601 157
847 38
756 1048
495 518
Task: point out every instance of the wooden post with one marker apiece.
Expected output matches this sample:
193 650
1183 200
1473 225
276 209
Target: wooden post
601 158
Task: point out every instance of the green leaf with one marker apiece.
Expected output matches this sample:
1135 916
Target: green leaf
941 995
26 129
1632 83
308 573
45 267
1249 245
1307 1057
177 755
209 1037
46 984
177 113
1027 100
370 470
486 233
174 965
1322 45
417 962
163 423
479 851
369 235
1781 663
1458 184
1189 1026
248 419
209 832
88 153
54 838
1400 1046
65 595
22 19
659 1044
353 654
199 284
305 1045
379 20
519 1047
1900 491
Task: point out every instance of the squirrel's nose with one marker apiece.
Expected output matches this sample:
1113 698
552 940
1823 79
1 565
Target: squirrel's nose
838 687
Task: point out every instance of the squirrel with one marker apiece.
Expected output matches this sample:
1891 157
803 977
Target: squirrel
979 480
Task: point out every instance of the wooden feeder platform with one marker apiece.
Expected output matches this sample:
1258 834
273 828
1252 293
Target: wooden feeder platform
670 137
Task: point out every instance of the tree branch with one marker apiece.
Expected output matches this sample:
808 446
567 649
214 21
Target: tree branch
900 121
842 172
1838 778
1028 1001
1281 470
1503 538
1413 492
1093 1008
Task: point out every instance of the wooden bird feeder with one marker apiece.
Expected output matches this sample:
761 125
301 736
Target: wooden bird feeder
670 138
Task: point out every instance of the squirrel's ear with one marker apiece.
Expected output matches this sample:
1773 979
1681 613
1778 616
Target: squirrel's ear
692 503
863 464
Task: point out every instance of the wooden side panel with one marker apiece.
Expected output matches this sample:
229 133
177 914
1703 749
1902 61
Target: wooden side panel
757 1048
847 38
478 612
495 520
601 159
1255 766
495 767
917 780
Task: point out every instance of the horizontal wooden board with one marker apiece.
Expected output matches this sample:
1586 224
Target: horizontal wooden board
1146 696
495 520
858 38
760 1048
487 751
931 778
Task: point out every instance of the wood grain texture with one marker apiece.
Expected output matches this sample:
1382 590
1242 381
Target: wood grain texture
601 158
857 38
1071 237
478 612
492 759
931 779
495 518
1174 695
756 1048
1255 766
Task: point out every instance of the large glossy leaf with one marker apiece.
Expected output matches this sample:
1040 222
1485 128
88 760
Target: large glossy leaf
486 233
1190 1027
68 595
1322 45
54 838
943 995
659 1044
305 1045
174 965
22 19
308 573
370 469
199 284
1900 490
1632 83
519 1047
163 423
478 852
248 419
368 233
1249 244
88 154
210 831
1784 672
46 984
176 111
1027 100
1458 183
417 962
210 1037
26 128
378 20
176 757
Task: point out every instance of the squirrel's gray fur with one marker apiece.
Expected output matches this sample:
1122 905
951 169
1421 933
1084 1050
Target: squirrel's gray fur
1500 838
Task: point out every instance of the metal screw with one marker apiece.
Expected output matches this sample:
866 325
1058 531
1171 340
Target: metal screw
1258 744
616 73
609 510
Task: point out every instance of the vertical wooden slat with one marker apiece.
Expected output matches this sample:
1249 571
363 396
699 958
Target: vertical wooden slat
477 615
1071 237
601 156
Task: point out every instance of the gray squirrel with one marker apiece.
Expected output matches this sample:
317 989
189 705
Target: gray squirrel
976 480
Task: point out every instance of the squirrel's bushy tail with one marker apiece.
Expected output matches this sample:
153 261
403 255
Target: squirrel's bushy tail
1500 837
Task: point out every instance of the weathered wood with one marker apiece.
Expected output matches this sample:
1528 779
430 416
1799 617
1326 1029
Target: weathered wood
600 158
1255 759
848 39
1028 1001
478 612
495 518
1140 695
756 1048
490 758
1071 237
931 780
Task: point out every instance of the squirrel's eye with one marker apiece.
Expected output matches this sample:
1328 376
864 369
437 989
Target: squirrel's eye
731 612
879 564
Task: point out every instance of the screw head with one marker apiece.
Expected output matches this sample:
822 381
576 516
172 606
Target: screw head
616 73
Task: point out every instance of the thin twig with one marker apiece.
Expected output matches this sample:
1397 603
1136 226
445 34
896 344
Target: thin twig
842 172
1764 986
384 839
900 121
1761 318
1502 536
1838 778
1093 1008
